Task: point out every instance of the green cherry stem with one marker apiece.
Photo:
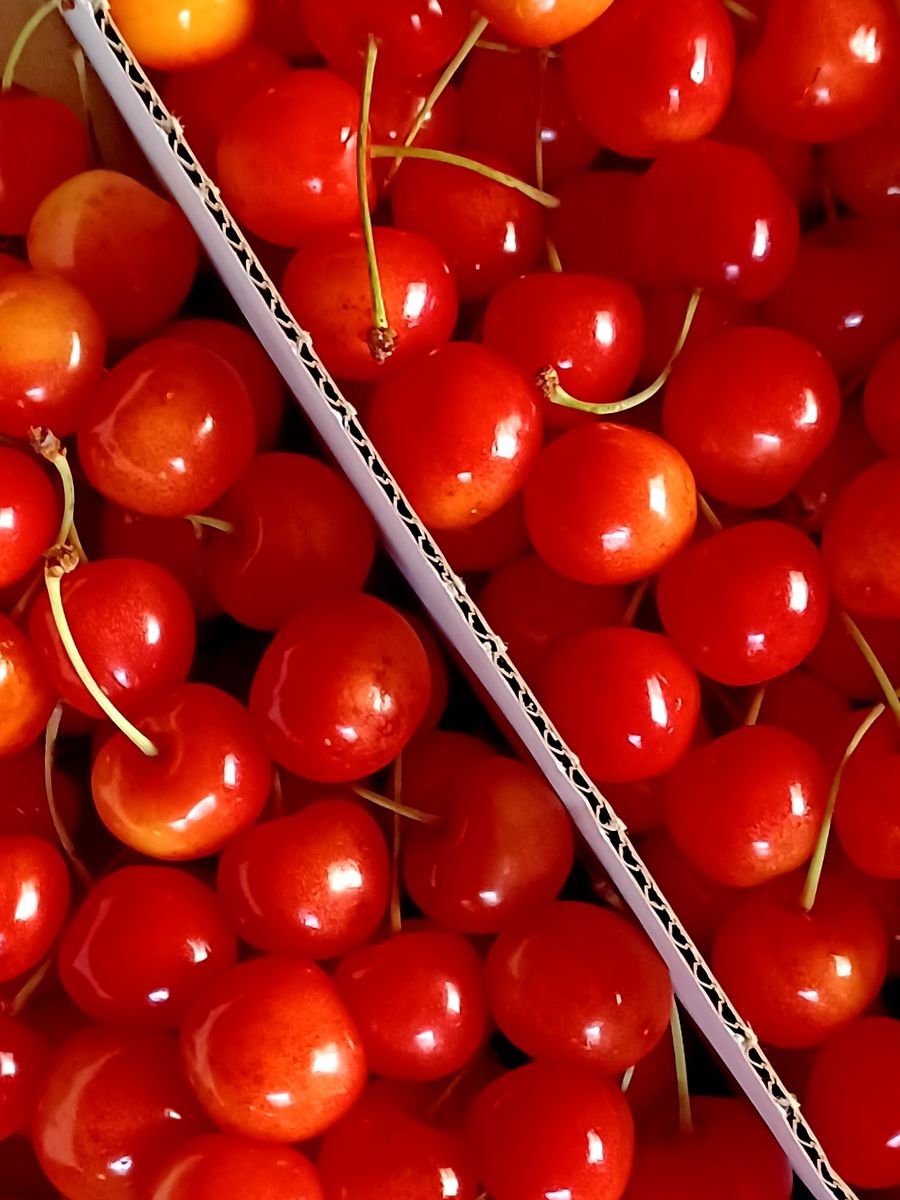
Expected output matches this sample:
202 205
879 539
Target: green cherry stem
37 18
627 1078
739 10
637 599
29 987
709 516
685 1119
50 735
396 847
755 705
201 522
811 886
468 164
394 806
49 447
890 693
553 258
382 339
548 379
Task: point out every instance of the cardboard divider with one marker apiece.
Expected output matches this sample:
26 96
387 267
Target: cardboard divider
441 591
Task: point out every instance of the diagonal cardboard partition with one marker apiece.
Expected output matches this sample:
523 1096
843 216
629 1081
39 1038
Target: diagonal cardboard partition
441 591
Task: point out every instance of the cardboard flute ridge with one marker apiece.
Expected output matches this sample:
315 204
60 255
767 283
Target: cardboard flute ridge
441 591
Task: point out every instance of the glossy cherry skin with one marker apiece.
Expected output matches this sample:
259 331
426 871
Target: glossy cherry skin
313 884
591 228
207 1167
29 514
378 1149
287 159
34 901
419 1002
502 96
280 24
853 1107
24 807
863 170
715 216
42 143
341 688
751 409
859 542
879 400
145 942
588 329
647 75
822 70
798 976
133 625
776 788
183 35
113 1104
432 761
26 697
130 251
414 37
849 452
697 899
531 606
808 707
496 540
664 314
793 162
746 604
299 533
729 1152
616 1001
537 23
24 1055
463 452
552 1127
396 101
326 287
488 233
865 816
837 660
272 1052
168 430
632 526
206 98
210 779
504 846
625 700
53 346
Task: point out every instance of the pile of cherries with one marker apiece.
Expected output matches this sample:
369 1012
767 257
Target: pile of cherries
587 268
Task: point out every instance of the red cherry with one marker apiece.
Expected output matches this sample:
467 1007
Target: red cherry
34 901
615 1003
792 162
132 253
210 779
750 409
503 847
419 1002
591 228
168 430
133 625
287 159
863 170
625 530
807 707
29 514
502 96
326 287
837 659
113 1104
24 808
531 606
859 542
206 98
299 533
42 143
207 1167
715 216
625 700
746 604
865 816
280 24
314 884
552 1127
496 540
431 763
241 350
776 789
728 1152
467 452
144 943
377 1148
341 688
24 1056
698 900
539 23
414 37
488 232
852 1104
797 976
396 104
53 345
437 668
588 329
881 412
26 698
648 74
664 312
822 70
272 1052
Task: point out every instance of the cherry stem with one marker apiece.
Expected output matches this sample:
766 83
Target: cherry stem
890 692
548 378
553 258
627 1078
740 11
445 1093
29 987
637 599
50 735
21 605
396 840
6 81
755 705
811 887
53 572
468 164
685 1119
382 339
711 518
202 522
49 447
277 794
395 807
502 48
